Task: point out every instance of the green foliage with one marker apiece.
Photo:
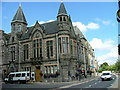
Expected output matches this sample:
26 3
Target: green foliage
106 67
117 65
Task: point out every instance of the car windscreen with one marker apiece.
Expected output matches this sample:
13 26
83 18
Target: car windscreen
106 74
11 75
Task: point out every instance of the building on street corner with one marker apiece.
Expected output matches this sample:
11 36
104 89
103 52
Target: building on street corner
54 50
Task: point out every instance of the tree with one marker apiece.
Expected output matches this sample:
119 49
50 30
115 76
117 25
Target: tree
104 67
117 65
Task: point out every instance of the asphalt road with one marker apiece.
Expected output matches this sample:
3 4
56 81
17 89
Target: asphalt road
95 84
81 85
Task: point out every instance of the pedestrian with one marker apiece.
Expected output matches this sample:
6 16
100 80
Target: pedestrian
76 75
90 72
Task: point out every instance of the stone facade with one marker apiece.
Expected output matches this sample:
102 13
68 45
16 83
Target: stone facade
54 49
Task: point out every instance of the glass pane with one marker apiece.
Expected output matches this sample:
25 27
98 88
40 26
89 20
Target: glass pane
18 75
23 74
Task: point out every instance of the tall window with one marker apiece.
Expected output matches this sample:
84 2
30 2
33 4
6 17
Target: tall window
13 27
13 39
63 45
49 45
37 46
75 47
13 53
51 69
71 47
64 19
60 45
26 51
60 18
19 27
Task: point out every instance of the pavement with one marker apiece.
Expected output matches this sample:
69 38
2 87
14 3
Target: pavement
60 85
116 84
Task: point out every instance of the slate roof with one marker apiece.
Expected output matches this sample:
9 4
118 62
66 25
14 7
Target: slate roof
50 28
62 10
19 16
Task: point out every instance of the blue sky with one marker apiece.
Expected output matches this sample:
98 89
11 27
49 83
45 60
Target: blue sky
97 20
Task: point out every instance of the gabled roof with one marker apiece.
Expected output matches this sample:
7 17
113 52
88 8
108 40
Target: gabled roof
62 10
19 16
50 28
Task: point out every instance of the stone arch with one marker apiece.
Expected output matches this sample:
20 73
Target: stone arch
36 34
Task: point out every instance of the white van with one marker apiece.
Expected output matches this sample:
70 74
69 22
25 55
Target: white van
106 75
20 77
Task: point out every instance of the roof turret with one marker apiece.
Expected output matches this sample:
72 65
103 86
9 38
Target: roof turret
19 16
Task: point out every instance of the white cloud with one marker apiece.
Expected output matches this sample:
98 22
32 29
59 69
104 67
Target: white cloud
84 27
50 20
105 22
103 46
41 22
110 57
80 25
98 44
93 26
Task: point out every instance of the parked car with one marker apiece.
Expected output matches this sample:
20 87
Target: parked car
20 77
106 75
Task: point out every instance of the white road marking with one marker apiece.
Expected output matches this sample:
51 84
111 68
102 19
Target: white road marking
99 81
67 86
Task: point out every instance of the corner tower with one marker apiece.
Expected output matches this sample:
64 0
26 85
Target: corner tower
62 18
19 23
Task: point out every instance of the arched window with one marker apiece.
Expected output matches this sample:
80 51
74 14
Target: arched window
13 39
64 19
60 18
13 27
19 27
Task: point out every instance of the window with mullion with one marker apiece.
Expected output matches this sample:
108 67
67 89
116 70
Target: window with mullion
51 48
71 47
60 46
49 45
65 44
40 48
13 53
26 51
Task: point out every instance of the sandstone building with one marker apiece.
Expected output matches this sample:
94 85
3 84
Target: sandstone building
55 49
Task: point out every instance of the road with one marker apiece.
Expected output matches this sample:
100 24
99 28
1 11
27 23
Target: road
91 82
94 83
